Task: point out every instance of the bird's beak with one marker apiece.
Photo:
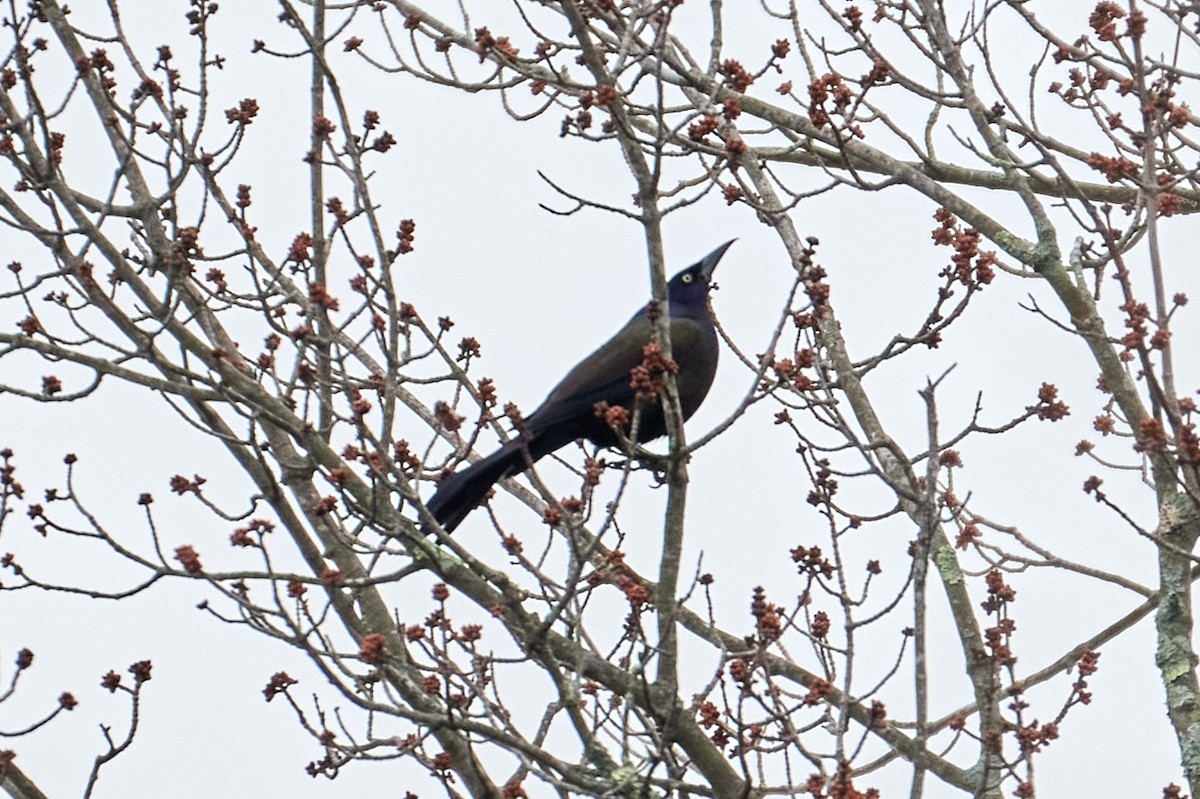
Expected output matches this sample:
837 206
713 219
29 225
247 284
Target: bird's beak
710 261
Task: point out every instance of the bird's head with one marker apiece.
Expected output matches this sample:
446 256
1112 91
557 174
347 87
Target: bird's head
692 284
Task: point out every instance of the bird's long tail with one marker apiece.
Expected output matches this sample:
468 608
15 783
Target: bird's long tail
460 492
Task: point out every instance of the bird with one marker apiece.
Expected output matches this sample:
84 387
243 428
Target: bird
569 411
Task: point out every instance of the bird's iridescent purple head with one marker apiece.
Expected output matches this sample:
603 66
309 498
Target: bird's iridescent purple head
688 290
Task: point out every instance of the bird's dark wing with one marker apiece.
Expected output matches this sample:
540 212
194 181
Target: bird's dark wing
602 376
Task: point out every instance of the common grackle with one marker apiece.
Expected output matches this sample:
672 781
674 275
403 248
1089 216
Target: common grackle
569 412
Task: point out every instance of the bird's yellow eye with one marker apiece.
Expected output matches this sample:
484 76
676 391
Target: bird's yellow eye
686 278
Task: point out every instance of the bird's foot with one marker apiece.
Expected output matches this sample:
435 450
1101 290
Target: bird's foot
658 464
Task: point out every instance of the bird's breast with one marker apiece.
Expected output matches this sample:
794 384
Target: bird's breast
695 349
